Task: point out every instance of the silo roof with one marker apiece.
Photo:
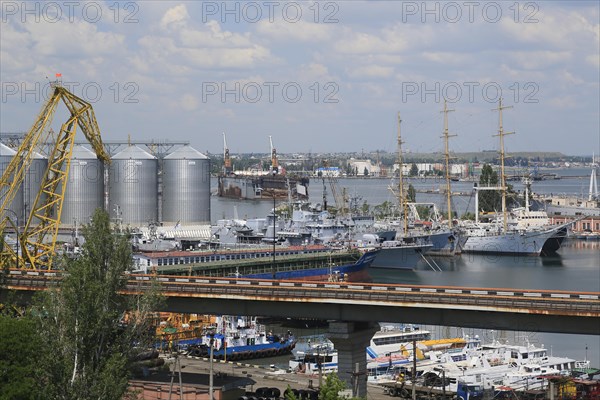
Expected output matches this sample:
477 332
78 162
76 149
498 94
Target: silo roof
38 156
186 153
6 151
133 153
83 153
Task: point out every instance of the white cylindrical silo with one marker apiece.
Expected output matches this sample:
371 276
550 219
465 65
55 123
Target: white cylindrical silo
85 187
133 187
186 187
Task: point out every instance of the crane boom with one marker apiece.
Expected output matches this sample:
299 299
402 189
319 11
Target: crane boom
37 250
226 159
274 162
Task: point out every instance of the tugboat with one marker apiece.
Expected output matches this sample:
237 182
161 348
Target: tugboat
239 338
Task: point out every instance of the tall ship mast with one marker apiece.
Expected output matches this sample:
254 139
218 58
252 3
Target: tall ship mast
528 233
401 194
446 136
501 134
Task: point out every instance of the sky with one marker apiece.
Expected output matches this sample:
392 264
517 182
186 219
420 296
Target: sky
327 76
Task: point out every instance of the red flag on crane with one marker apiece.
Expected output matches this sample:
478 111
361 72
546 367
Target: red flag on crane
59 75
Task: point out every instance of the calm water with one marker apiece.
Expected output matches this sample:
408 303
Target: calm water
576 267
376 191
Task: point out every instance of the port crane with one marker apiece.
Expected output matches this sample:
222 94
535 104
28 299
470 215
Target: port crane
37 240
227 169
274 161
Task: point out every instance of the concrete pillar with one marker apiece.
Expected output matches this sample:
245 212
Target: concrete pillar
351 340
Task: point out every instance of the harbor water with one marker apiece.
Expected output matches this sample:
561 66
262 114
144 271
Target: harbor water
576 266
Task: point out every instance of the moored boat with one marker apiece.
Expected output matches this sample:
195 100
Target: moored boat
519 232
318 263
236 338
258 184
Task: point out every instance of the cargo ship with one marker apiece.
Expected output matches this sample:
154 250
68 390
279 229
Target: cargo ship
311 263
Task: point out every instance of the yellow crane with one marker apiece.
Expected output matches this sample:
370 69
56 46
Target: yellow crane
38 239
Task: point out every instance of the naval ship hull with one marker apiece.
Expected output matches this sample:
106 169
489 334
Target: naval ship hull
532 243
401 256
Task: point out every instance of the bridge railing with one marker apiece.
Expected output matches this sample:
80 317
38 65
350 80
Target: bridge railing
517 300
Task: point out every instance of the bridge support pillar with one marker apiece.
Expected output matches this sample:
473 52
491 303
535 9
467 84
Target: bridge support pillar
351 340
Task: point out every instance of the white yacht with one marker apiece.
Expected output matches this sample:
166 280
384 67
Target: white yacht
386 348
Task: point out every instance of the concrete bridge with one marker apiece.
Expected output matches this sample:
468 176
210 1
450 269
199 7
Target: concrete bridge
357 307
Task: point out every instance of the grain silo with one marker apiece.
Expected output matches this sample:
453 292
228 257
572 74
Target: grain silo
133 187
16 206
186 187
33 182
85 187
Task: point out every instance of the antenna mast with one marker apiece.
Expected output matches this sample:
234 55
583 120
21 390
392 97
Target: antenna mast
446 136
501 134
401 197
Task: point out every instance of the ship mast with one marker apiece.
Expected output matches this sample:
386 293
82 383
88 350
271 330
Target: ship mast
401 197
446 136
501 134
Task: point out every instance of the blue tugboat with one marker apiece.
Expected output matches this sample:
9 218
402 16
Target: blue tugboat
238 338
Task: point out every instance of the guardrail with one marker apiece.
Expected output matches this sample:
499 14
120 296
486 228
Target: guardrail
552 302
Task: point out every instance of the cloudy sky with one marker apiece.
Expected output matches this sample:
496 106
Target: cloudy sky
323 76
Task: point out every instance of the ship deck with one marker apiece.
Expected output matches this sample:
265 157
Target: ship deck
229 268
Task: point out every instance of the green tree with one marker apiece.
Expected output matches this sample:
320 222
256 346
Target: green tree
19 363
87 343
366 208
414 170
332 386
469 216
424 212
383 210
489 200
411 194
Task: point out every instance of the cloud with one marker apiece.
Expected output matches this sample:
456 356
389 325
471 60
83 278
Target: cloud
540 60
593 59
371 71
446 57
23 45
182 48
189 102
301 31
366 43
568 101
369 55
174 17
570 78
556 28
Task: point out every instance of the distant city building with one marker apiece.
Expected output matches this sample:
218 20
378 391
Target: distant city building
427 168
360 166
328 171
